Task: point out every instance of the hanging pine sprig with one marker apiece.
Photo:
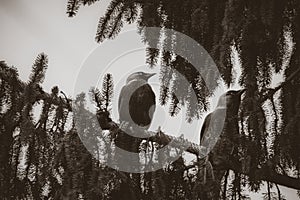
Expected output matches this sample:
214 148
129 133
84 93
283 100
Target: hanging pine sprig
131 13
110 24
175 106
89 2
73 7
39 69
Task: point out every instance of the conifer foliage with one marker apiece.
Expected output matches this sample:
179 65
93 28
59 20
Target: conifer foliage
42 155
266 37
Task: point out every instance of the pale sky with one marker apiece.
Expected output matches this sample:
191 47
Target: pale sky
29 27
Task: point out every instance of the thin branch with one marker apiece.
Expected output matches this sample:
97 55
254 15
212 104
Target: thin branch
278 191
67 100
164 139
159 137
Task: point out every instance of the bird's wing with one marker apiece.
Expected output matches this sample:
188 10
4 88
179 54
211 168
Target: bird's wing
123 103
142 105
121 99
212 128
127 91
205 127
150 101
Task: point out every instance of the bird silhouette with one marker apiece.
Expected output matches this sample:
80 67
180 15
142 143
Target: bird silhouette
222 121
137 100
216 121
136 107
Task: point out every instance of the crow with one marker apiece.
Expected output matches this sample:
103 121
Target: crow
137 100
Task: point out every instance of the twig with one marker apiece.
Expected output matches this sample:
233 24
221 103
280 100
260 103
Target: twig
67 100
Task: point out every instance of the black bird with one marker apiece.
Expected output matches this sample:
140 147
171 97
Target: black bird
136 108
137 100
227 107
222 121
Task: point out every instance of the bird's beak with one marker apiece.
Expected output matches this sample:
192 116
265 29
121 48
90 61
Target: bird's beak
150 75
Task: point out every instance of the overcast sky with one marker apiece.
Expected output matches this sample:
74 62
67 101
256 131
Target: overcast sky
29 27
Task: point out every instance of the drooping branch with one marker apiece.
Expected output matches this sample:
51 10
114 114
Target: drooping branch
265 174
164 139
6 75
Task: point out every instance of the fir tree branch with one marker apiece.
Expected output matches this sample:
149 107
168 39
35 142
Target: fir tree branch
193 148
72 7
159 137
103 24
271 176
